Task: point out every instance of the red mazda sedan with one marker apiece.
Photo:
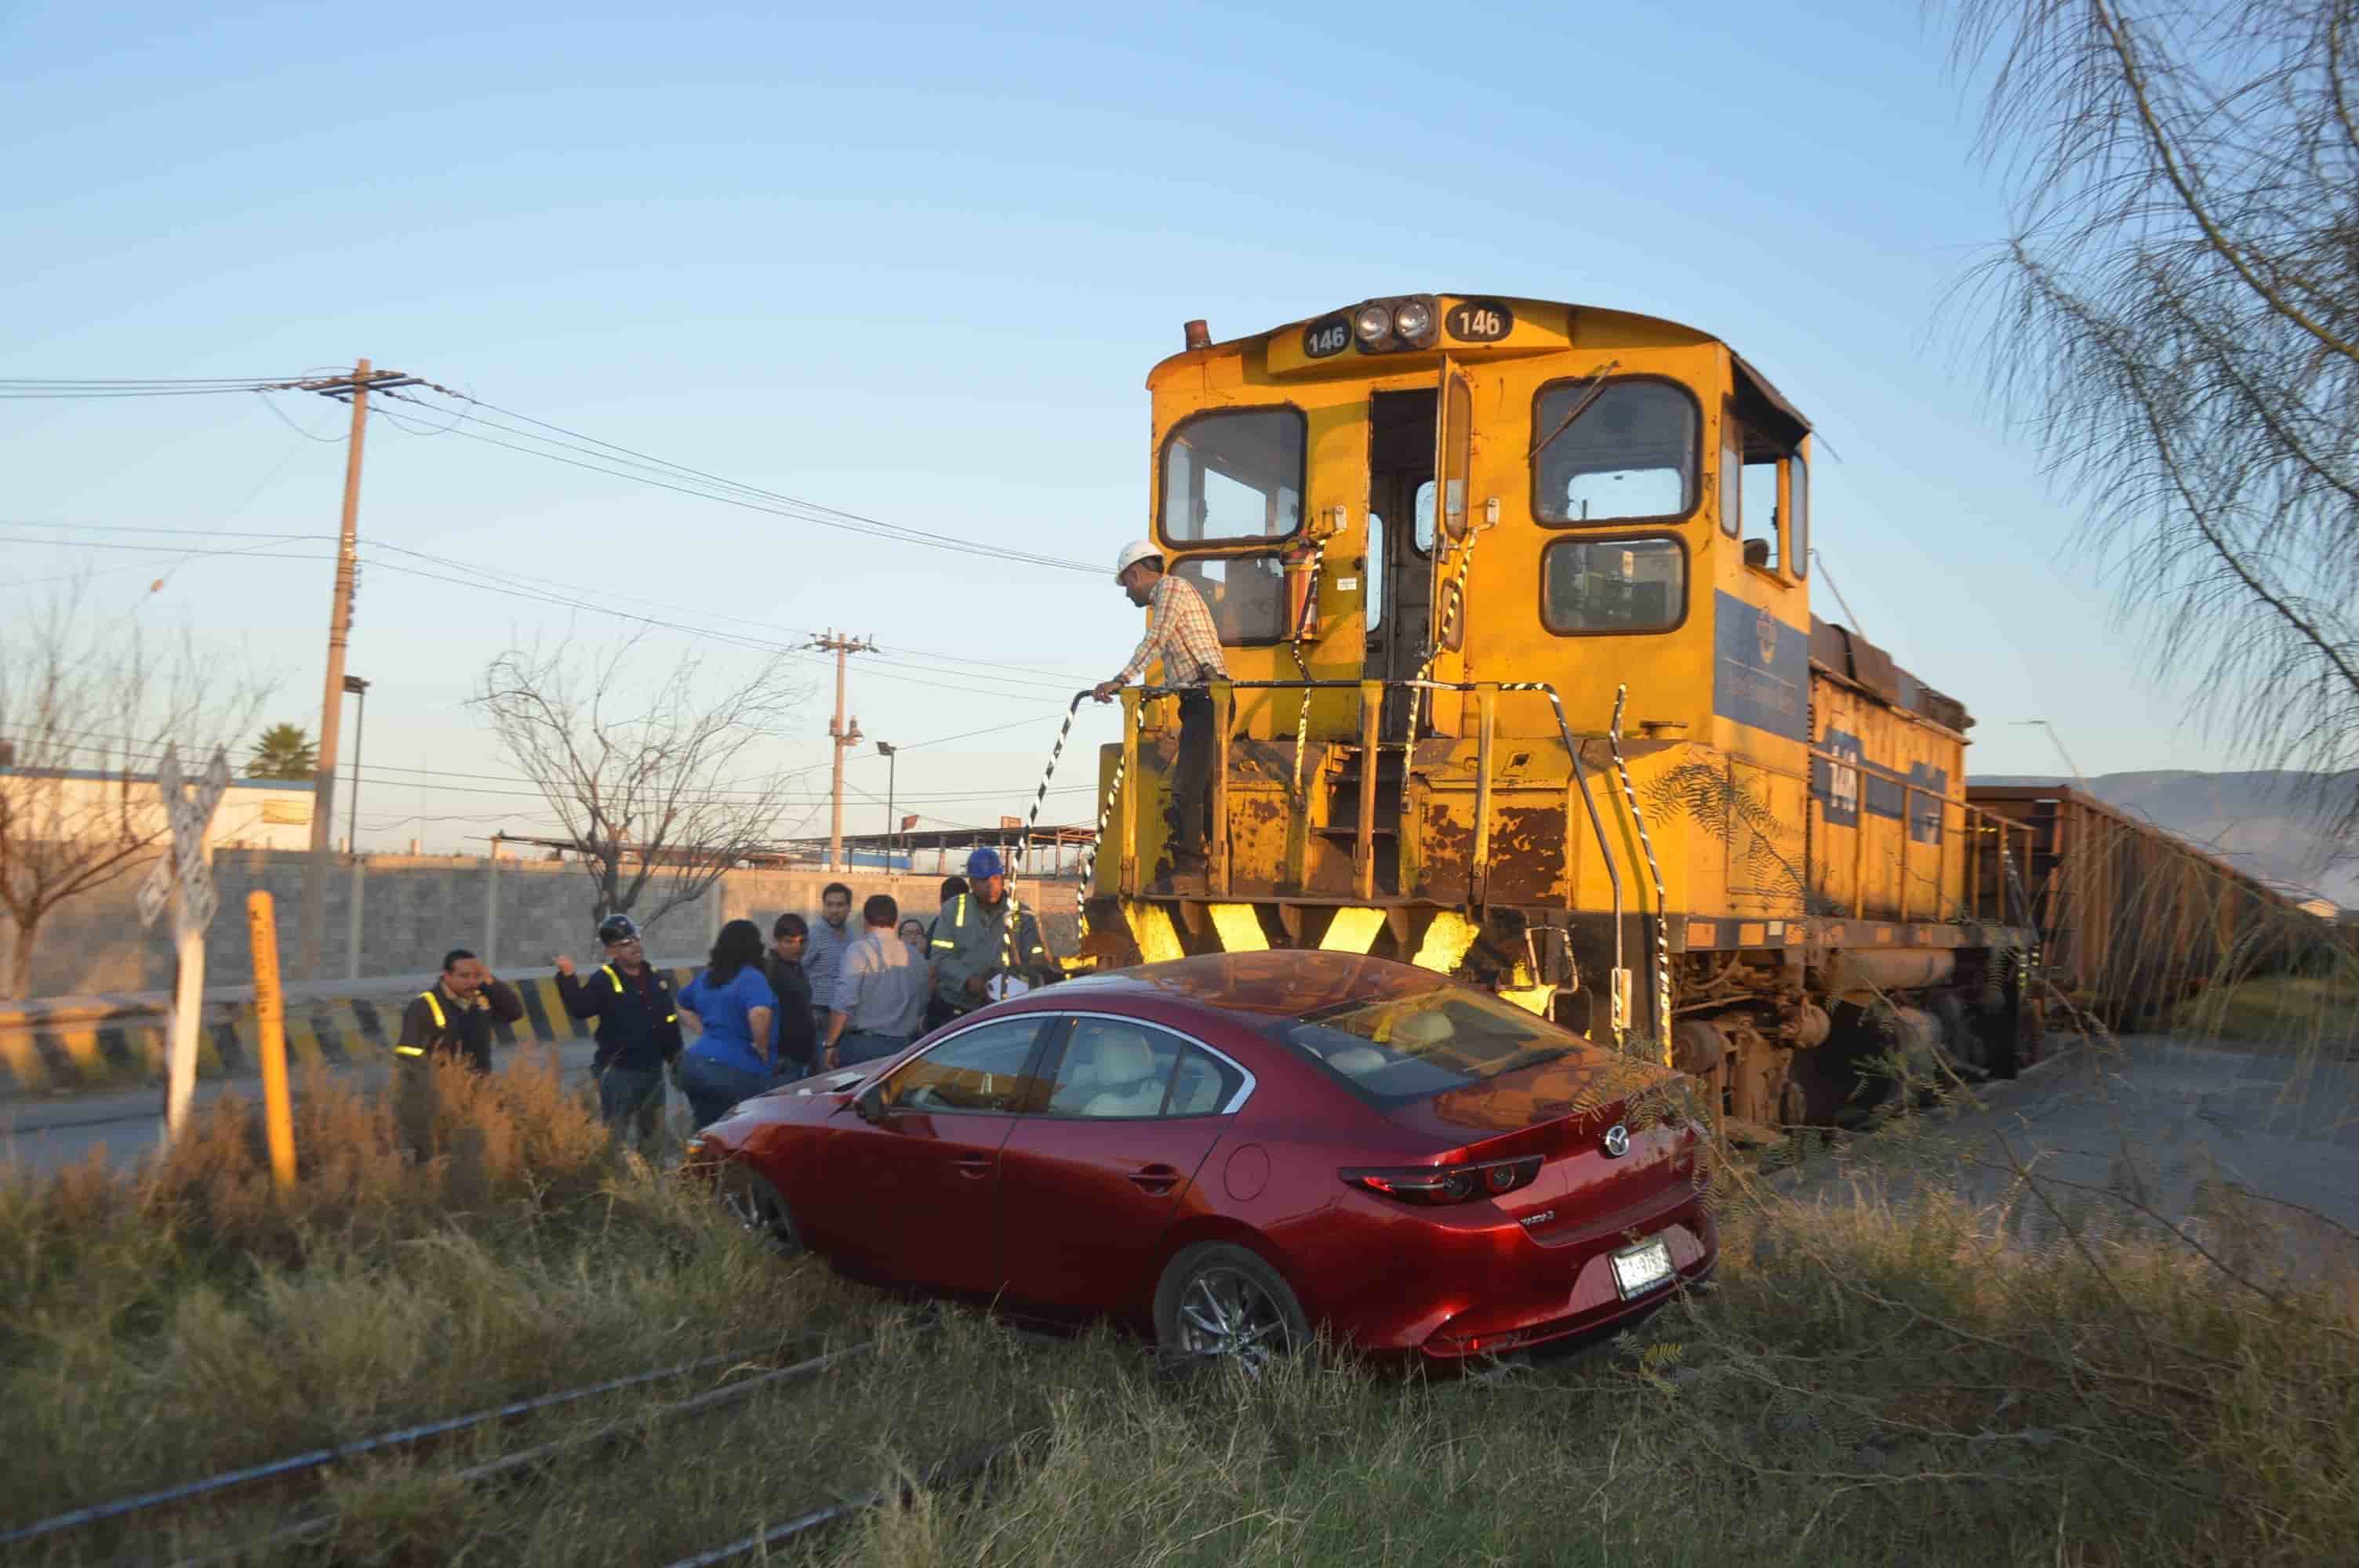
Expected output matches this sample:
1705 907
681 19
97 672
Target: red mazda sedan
1240 1149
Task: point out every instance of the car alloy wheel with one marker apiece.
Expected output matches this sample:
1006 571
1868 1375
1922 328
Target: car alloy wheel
1219 1301
756 1205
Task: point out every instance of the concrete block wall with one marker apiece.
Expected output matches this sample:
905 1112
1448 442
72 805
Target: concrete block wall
411 909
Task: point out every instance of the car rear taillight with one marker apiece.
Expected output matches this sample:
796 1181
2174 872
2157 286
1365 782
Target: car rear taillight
1446 1183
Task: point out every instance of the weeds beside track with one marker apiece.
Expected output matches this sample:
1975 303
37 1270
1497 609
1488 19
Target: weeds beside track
1876 1380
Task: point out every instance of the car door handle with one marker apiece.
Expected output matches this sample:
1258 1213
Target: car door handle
975 1166
1155 1180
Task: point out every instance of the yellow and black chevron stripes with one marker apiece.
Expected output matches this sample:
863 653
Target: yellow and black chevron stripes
1239 928
95 1048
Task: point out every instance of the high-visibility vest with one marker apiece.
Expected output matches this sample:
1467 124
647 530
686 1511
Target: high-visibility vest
434 1005
616 981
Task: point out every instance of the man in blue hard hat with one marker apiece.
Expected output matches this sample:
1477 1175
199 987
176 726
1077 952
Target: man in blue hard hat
984 935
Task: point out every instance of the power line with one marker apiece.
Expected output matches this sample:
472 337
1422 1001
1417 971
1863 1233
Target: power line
1061 680
396 776
513 588
833 511
39 387
662 473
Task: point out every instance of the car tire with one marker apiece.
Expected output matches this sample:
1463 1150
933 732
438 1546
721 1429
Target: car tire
1218 1301
751 1200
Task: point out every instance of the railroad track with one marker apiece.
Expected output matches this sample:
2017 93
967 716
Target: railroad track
134 1528
147 1511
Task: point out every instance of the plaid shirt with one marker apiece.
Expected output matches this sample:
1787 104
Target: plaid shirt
1179 633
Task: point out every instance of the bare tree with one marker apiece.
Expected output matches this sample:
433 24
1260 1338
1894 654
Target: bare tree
2176 315
645 782
87 706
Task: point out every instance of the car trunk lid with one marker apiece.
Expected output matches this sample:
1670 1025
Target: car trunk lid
1565 1110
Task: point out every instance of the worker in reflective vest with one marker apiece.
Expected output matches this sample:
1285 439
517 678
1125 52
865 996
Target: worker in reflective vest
455 1017
638 1028
451 1022
981 935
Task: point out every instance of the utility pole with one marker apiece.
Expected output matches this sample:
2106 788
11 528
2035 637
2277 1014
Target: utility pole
356 388
892 755
842 734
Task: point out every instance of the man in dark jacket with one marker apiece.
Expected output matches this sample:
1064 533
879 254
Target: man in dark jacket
451 1022
794 1038
638 1029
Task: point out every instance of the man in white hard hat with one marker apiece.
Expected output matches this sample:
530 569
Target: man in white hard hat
1179 632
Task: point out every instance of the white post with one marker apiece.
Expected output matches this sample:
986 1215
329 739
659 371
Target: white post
492 912
352 920
188 1000
183 881
713 921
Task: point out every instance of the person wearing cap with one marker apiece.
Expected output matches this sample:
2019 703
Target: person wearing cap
986 933
638 1029
1180 633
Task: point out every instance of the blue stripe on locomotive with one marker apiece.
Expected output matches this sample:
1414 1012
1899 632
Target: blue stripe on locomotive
1767 689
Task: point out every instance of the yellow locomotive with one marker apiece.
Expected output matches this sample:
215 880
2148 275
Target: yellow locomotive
1525 686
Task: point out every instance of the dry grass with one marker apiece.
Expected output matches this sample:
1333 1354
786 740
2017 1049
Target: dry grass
1882 1379
2284 1012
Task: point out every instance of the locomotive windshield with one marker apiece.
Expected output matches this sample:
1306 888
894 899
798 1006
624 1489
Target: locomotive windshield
1234 475
1631 454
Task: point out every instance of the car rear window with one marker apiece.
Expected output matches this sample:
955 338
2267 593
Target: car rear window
1395 1049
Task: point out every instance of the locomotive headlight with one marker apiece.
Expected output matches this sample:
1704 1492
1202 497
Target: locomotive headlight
1413 320
1372 322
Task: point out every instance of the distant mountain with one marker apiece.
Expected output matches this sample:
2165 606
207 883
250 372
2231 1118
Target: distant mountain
2264 822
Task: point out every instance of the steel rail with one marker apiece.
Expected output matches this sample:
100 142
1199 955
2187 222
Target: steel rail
712 1399
946 1474
317 1458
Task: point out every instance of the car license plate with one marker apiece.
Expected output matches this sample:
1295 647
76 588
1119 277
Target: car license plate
1640 1269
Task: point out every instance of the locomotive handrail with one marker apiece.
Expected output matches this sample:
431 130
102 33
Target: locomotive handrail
1363 838
1992 822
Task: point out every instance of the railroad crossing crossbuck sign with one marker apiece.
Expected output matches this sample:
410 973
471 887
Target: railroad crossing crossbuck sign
190 814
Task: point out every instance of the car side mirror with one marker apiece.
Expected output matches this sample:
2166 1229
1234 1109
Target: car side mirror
870 1105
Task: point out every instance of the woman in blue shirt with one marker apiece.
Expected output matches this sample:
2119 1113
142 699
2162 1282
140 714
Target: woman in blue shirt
732 997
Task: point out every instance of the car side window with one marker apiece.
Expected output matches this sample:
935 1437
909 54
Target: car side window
1112 1068
980 1070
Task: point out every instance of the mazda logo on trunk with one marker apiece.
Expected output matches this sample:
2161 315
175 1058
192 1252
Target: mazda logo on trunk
1617 1141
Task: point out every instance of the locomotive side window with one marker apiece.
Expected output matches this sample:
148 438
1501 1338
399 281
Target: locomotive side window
1629 454
1246 595
1760 516
1234 475
1614 584
1797 515
1731 475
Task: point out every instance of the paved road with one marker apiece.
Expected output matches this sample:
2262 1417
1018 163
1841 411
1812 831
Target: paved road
2257 1156
45 1134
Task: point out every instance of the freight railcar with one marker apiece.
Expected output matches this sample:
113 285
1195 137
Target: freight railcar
2133 919
1526 685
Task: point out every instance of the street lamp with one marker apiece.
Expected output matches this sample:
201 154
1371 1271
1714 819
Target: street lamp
358 688
891 753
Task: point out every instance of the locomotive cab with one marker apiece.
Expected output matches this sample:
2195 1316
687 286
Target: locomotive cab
1514 600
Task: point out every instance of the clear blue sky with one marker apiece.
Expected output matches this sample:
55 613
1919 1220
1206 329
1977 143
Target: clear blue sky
916 268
